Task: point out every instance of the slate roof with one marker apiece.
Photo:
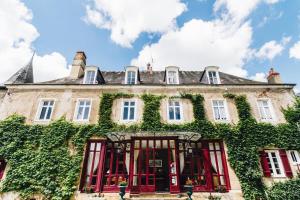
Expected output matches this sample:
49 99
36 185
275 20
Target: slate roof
24 75
156 78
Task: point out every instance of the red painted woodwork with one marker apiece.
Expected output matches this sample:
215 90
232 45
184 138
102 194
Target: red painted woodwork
93 165
154 165
286 164
264 164
115 169
2 167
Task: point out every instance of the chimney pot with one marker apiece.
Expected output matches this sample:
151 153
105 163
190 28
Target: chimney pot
274 77
149 68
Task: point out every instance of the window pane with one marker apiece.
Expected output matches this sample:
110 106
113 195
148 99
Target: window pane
125 113
43 113
80 113
86 113
126 103
49 113
131 113
177 113
171 113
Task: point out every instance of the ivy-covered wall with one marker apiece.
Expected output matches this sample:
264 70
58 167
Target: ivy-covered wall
47 159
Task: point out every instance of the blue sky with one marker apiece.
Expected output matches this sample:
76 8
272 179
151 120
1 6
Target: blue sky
248 37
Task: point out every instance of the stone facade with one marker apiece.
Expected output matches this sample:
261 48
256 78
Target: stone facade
24 99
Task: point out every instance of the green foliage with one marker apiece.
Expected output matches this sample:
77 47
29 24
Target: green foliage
285 190
292 114
46 159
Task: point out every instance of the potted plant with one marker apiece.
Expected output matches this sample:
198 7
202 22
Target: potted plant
211 197
189 187
122 185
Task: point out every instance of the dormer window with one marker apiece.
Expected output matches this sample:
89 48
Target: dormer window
131 77
90 76
171 75
212 75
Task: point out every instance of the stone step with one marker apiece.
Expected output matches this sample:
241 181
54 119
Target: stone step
162 196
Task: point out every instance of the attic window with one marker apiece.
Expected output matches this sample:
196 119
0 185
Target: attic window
90 77
131 78
172 77
213 77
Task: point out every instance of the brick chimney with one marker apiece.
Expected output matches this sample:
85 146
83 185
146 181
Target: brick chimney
274 77
78 65
149 68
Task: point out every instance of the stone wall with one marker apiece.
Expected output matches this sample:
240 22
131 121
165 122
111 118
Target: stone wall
25 101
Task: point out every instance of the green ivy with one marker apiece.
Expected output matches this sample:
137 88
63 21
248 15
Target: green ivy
46 159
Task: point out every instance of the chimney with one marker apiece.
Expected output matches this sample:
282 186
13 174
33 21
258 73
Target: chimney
78 65
274 77
149 68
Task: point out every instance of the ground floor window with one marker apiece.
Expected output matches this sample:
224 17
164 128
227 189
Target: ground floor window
275 163
160 164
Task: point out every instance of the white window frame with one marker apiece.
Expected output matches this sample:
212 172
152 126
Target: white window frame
181 111
297 156
270 107
225 108
39 110
85 76
135 110
281 168
217 74
77 109
176 76
126 76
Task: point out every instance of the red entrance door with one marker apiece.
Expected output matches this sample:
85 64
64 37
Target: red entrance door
154 165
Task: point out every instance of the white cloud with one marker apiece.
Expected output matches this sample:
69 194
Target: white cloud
259 77
272 49
295 51
127 19
224 41
201 43
16 37
238 10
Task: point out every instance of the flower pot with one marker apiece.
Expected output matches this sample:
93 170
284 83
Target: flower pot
122 191
189 192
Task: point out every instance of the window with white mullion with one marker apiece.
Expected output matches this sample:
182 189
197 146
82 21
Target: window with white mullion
213 77
172 77
275 164
219 108
265 110
90 77
83 110
46 110
128 110
131 77
174 110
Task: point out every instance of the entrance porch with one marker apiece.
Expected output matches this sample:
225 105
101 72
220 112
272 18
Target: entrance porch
154 165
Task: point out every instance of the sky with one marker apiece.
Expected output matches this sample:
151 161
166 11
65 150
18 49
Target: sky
245 38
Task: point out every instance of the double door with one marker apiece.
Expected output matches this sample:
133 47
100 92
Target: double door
154 165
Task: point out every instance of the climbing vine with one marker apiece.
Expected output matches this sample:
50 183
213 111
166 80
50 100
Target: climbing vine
46 160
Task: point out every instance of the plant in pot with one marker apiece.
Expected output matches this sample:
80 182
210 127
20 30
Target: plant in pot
122 185
189 187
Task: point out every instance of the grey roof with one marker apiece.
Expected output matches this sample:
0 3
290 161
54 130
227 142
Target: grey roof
24 75
156 78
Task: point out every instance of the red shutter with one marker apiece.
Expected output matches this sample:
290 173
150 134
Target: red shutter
2 168
286 164
264 163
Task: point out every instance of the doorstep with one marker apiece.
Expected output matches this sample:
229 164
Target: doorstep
158 196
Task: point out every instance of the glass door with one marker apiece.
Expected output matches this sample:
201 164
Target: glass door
154 166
